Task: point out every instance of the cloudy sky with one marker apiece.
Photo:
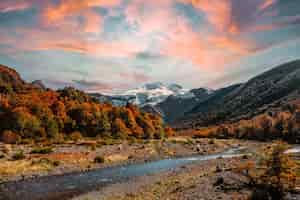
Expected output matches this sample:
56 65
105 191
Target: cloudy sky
108 45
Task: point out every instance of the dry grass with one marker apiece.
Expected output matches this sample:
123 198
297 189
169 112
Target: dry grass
10 168
116 158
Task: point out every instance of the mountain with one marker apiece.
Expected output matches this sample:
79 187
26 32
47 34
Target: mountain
148 94
39 84
243 101
175 106
10 80
170 101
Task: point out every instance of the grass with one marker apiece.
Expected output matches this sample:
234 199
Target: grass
18 167
41 150
47 163
18 156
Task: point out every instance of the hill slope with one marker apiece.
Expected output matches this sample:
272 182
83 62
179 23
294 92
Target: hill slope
30 112
243 101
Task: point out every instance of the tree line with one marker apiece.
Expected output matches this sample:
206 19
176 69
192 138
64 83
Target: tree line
283 123
38 114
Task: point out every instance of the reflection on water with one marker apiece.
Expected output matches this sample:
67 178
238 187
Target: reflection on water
293 150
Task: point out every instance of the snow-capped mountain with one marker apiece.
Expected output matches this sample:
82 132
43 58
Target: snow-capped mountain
154 93
170 101
148 94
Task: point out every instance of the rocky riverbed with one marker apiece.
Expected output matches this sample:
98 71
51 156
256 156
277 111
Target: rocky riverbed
27 161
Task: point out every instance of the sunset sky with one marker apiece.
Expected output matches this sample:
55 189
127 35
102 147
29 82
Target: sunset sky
108 45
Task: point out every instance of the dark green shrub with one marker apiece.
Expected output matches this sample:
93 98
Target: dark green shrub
99 159
18 156
42 150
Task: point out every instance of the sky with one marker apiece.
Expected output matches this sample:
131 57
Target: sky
114 45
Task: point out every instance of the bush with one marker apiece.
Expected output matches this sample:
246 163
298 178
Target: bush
56 163
211 141
9 137
42 150
76 136
274 173
99 159
18 156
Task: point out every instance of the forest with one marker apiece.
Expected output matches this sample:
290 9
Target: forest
33 113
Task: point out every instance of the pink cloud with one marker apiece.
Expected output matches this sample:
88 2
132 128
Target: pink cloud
234 16
66 41
93 22
266 4
218 13
209 51
151 16
136 77
9 6
179 40
67 12
68 8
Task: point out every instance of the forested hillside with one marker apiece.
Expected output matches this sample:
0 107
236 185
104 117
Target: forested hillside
30 112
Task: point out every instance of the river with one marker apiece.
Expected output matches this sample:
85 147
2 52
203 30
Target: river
69 185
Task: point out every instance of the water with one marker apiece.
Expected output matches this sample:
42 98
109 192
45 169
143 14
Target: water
66 186
70 185
293 150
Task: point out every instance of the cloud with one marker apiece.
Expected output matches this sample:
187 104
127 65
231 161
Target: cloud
267 4
67 8
71 42
210 52
281 23
135 77
93 22
235 16
92 85
11 6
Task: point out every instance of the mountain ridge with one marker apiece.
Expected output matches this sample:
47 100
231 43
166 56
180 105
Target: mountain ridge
245 100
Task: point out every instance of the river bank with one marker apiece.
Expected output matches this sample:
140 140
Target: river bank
75 184
180 177
86 155
205 180
213 179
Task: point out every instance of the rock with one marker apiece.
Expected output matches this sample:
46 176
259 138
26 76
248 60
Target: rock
7 148
218 169
219 181
120 147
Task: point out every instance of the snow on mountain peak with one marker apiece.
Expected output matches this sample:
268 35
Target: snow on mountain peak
151 93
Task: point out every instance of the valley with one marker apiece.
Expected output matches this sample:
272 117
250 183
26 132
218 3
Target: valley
156 142
149 99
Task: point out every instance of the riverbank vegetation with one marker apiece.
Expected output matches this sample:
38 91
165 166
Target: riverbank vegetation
280 124
272 174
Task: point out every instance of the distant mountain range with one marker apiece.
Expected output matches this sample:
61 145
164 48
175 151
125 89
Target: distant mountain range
168 100
185 108
148 94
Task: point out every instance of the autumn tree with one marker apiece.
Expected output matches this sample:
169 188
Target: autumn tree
272 175
119 129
